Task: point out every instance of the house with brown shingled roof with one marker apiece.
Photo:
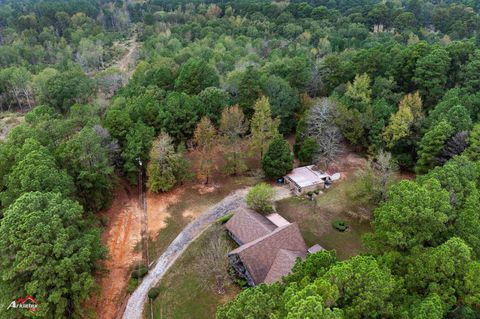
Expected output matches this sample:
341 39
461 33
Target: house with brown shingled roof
268 248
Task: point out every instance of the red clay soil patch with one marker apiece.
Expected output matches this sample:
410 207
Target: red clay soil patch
157 208
121 236
205 189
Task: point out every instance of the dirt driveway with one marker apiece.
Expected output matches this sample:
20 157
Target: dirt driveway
122 234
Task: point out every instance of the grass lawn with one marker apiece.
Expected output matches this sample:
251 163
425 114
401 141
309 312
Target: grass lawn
183 295
315 218
190 200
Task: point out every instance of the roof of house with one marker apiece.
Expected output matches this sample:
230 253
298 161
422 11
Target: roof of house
315 249
277 219
283 264
259 255
307 176
247 225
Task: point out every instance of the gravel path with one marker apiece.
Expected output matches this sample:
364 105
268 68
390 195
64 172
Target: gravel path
137 300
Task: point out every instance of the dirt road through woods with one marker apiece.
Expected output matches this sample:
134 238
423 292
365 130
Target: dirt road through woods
128 61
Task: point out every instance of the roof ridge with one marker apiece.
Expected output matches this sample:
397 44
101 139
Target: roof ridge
256 241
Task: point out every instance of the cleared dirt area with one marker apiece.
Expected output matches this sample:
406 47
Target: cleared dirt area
122 234
158 212
168 214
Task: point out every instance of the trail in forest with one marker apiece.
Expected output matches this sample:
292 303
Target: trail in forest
129 59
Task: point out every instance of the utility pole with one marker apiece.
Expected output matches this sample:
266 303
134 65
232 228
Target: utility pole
143 206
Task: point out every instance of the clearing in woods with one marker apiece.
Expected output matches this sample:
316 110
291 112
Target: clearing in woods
168 214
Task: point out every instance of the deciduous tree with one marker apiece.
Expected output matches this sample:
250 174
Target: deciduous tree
408 116
232 128
89 157
359 92
473 149
260 198
166 166
262 127
213 262
431 145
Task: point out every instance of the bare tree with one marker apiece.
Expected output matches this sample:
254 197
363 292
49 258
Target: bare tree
376 178
111 80
329 146
320 126
385 168
90 54
213 262
320 117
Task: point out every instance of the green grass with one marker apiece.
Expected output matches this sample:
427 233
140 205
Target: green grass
183 295
315 218
193 199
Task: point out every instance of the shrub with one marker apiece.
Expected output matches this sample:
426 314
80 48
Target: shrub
222 220
340 225
104 220
153 293
307 151
139 272
132 285
260 198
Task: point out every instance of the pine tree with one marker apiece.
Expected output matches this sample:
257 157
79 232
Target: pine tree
278 160
473 149
431 145
307 151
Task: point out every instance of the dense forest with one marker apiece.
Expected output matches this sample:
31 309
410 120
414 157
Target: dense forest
401 77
